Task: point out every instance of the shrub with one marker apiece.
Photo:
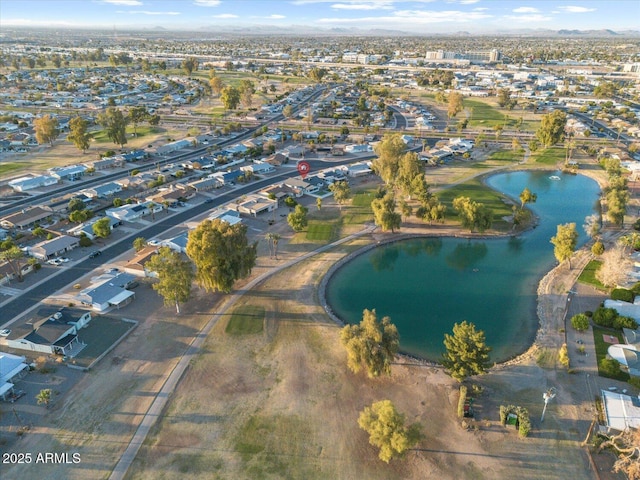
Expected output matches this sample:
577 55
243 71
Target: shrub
505 410
634 382
609 367
625 322
605 316
636 289
524 423
580 322
588 313
462 400
563 356
597 248
85 241
622 294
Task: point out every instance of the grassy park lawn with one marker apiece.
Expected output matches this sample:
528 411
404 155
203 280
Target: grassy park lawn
322 232
479 192
100 136
246 320
100 335
549 156
588 275
601 349
485 115
10 167
359 211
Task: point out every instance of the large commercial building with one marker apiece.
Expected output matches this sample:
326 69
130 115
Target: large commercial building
489 56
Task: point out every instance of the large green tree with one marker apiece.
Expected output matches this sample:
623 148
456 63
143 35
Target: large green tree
102 227
298 218
217 85
551 130
473 215
466 353
139 243
409 168
527 196
230 97
454 105
221 253
384 213
78 133
47 129
388 431
13 255
190 64
389 151
341 191
115 125
371 343
175 276
565 242
136 115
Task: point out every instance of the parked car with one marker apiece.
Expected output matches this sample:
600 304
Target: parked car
95 254
63 259
5 332
54 261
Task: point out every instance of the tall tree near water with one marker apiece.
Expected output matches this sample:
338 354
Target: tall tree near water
565 242
551 130
221 253
467 352
371 344
389 151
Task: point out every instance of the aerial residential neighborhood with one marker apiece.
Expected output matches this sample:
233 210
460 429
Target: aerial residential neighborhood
306 239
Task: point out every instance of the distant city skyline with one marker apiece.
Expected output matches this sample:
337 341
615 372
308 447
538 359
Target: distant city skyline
417 16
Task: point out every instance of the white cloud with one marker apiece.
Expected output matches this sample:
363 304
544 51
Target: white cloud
526 10
27 22
206 3
363 6
348 3
532 18
576 9
480 9
463 2
276 16
225 15
128 3
413 17
147 12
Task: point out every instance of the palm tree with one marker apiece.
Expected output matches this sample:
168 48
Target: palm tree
269 238
275 238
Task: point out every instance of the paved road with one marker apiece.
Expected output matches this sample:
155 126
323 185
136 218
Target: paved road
155 410
70 275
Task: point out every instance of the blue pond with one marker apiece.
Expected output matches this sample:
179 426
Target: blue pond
427 284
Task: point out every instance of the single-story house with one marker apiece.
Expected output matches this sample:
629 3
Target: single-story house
206 184
133 156
72 172
103 191
136 266
621 411
130 213
277 159
54 247
364 148
359 169
178 243
109 291
12 368
302 185
87 228
627 356
258 168
105 163
228 178
7 273
26 218
54 332
281 192
255 204
173 147
23 184
226 215
625 309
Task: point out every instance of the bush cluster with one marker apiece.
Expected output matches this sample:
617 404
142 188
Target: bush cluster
622 294
462 400
580 322
524 423
608 317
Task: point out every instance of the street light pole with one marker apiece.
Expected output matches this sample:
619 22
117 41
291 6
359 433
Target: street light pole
548 395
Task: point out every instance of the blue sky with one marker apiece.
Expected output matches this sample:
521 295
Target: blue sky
425 16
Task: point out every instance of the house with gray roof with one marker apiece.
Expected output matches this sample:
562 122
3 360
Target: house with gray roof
26 218
109 291
72 172
53 331
23 184
12 368
54 247
178 243
103 191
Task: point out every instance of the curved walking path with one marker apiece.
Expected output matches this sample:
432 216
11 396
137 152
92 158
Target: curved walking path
162 397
